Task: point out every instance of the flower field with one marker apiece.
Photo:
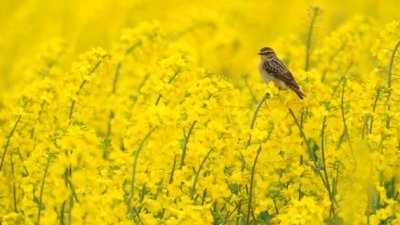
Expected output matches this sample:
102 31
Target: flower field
153 112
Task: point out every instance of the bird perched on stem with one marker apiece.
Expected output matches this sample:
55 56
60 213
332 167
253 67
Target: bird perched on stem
272 69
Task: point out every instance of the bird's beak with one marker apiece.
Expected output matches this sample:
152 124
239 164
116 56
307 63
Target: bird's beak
260 53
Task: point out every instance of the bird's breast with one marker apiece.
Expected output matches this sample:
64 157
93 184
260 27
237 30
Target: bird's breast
267 77
264 74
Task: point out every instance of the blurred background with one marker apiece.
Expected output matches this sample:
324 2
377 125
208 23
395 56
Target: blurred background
238 28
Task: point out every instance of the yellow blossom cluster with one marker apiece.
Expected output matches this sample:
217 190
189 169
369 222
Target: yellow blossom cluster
168 121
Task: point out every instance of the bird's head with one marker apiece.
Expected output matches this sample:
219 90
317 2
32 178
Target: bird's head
266 53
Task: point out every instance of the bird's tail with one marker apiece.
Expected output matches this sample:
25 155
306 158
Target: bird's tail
298 92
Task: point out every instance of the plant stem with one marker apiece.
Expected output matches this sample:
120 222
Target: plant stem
111 116
331 197
134 164
378 93
311 155
119 65
116 75
253 170
21 158
196 177
303 135
62 213
389 81
253 120
323 149
315 11
42 189
9 136
345 129
73 102
13 181
169 82
71 204
114 90
184 146
171 177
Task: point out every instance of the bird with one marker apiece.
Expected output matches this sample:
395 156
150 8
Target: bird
271 68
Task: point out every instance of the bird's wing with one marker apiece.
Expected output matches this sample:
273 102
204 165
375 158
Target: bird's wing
278 70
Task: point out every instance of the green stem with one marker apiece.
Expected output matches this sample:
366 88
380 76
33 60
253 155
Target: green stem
169 82
184 146
134 164
114 90
196 177
111 115
302 118
331 196
314 15
73 192
309 150
73 102
253 120
253 170
143 193
9 136
389 81
345 129
21 158
203 199
171 177
116 76
275 206
378 93
119 65
62 213
303 135
14 188
323 149
71 205
239 213
229 215
42 189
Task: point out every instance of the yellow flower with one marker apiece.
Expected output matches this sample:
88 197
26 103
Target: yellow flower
159 125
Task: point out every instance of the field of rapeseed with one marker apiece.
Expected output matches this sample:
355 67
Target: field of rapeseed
153 112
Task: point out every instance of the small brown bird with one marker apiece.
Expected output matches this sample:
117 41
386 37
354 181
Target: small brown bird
273 69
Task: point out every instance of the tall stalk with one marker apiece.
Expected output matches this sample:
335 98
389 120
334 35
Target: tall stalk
196 177
185 143
253 120
134 165
8 138
389 81
314 14
81 86
40 203
309 150
253 170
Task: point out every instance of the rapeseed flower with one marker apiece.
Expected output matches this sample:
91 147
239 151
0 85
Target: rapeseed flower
168 121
